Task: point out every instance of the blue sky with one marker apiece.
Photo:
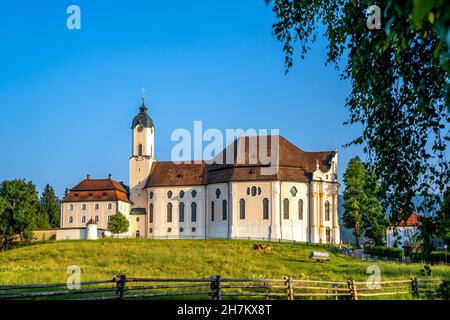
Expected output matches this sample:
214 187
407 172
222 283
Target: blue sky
67 97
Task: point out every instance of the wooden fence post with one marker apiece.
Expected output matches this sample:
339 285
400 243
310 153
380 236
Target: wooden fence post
352 288
414 286
216 288
121 285
289 288
334 286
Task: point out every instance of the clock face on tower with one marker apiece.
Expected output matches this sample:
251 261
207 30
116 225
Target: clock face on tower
139 129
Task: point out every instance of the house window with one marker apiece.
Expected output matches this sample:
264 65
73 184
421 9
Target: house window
96 206
83 207
181 212
224 209
242 209
169 212
151 212
70 219
286 208
109 218
212 210
109 206
194 212
327 210
140 150
265 208
83 219
300 209
96 218
71 207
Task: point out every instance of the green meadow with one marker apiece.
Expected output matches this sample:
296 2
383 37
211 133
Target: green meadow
105 258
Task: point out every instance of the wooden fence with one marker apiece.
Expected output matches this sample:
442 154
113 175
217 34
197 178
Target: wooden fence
218 288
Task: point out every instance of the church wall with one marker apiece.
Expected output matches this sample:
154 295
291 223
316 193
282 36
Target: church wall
217 228
294 228
253 225
160 226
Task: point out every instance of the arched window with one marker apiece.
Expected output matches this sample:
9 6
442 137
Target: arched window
327 210
138 234
286 208
169 212
224 209
83 219
140 150
212 210
181 211
70 219
83 207
109 206
265 208
242 209
254 190
151 212
300 209
328 234
71 207
96 218
194 212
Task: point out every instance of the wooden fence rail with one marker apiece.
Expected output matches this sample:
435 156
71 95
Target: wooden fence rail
217 288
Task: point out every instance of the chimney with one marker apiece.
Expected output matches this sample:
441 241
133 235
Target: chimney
109 176
88 177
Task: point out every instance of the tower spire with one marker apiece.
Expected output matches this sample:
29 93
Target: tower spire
143 108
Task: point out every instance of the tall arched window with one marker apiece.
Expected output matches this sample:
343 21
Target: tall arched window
224 209
169 212
151 212
328 234
242 209
286 208
300 209
327 210
181 212
212 210
194 212
140 150
265 208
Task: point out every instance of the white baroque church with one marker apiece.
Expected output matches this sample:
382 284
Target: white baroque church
166 199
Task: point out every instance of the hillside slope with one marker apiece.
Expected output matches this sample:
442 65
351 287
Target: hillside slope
103 259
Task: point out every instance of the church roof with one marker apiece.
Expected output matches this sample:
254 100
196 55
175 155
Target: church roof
98 190
294 165
142 118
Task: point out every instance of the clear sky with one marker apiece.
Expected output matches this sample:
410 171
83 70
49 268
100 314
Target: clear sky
67 97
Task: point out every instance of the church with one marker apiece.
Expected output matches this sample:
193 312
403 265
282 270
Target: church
219 199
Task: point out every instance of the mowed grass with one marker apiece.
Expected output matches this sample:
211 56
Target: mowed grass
105 258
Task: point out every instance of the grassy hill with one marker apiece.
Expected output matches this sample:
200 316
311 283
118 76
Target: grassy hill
103 259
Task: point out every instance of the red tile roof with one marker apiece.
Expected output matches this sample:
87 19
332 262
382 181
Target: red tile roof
412 221
98 190
294 165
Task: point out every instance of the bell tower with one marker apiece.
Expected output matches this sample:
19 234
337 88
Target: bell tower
142 156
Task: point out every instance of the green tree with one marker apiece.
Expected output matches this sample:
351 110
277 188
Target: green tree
49 207
354 197
442 220
118 223
400 89
362 209
18 210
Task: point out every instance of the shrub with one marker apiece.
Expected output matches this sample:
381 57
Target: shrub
384 252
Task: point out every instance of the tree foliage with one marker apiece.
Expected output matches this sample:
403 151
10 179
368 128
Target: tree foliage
118 223
49 209
399 86
18 210
362 209
443 219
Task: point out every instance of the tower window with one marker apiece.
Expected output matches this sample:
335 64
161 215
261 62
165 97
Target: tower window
151 212
96 206
83 219
96 218
140 150
327 210
217 193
